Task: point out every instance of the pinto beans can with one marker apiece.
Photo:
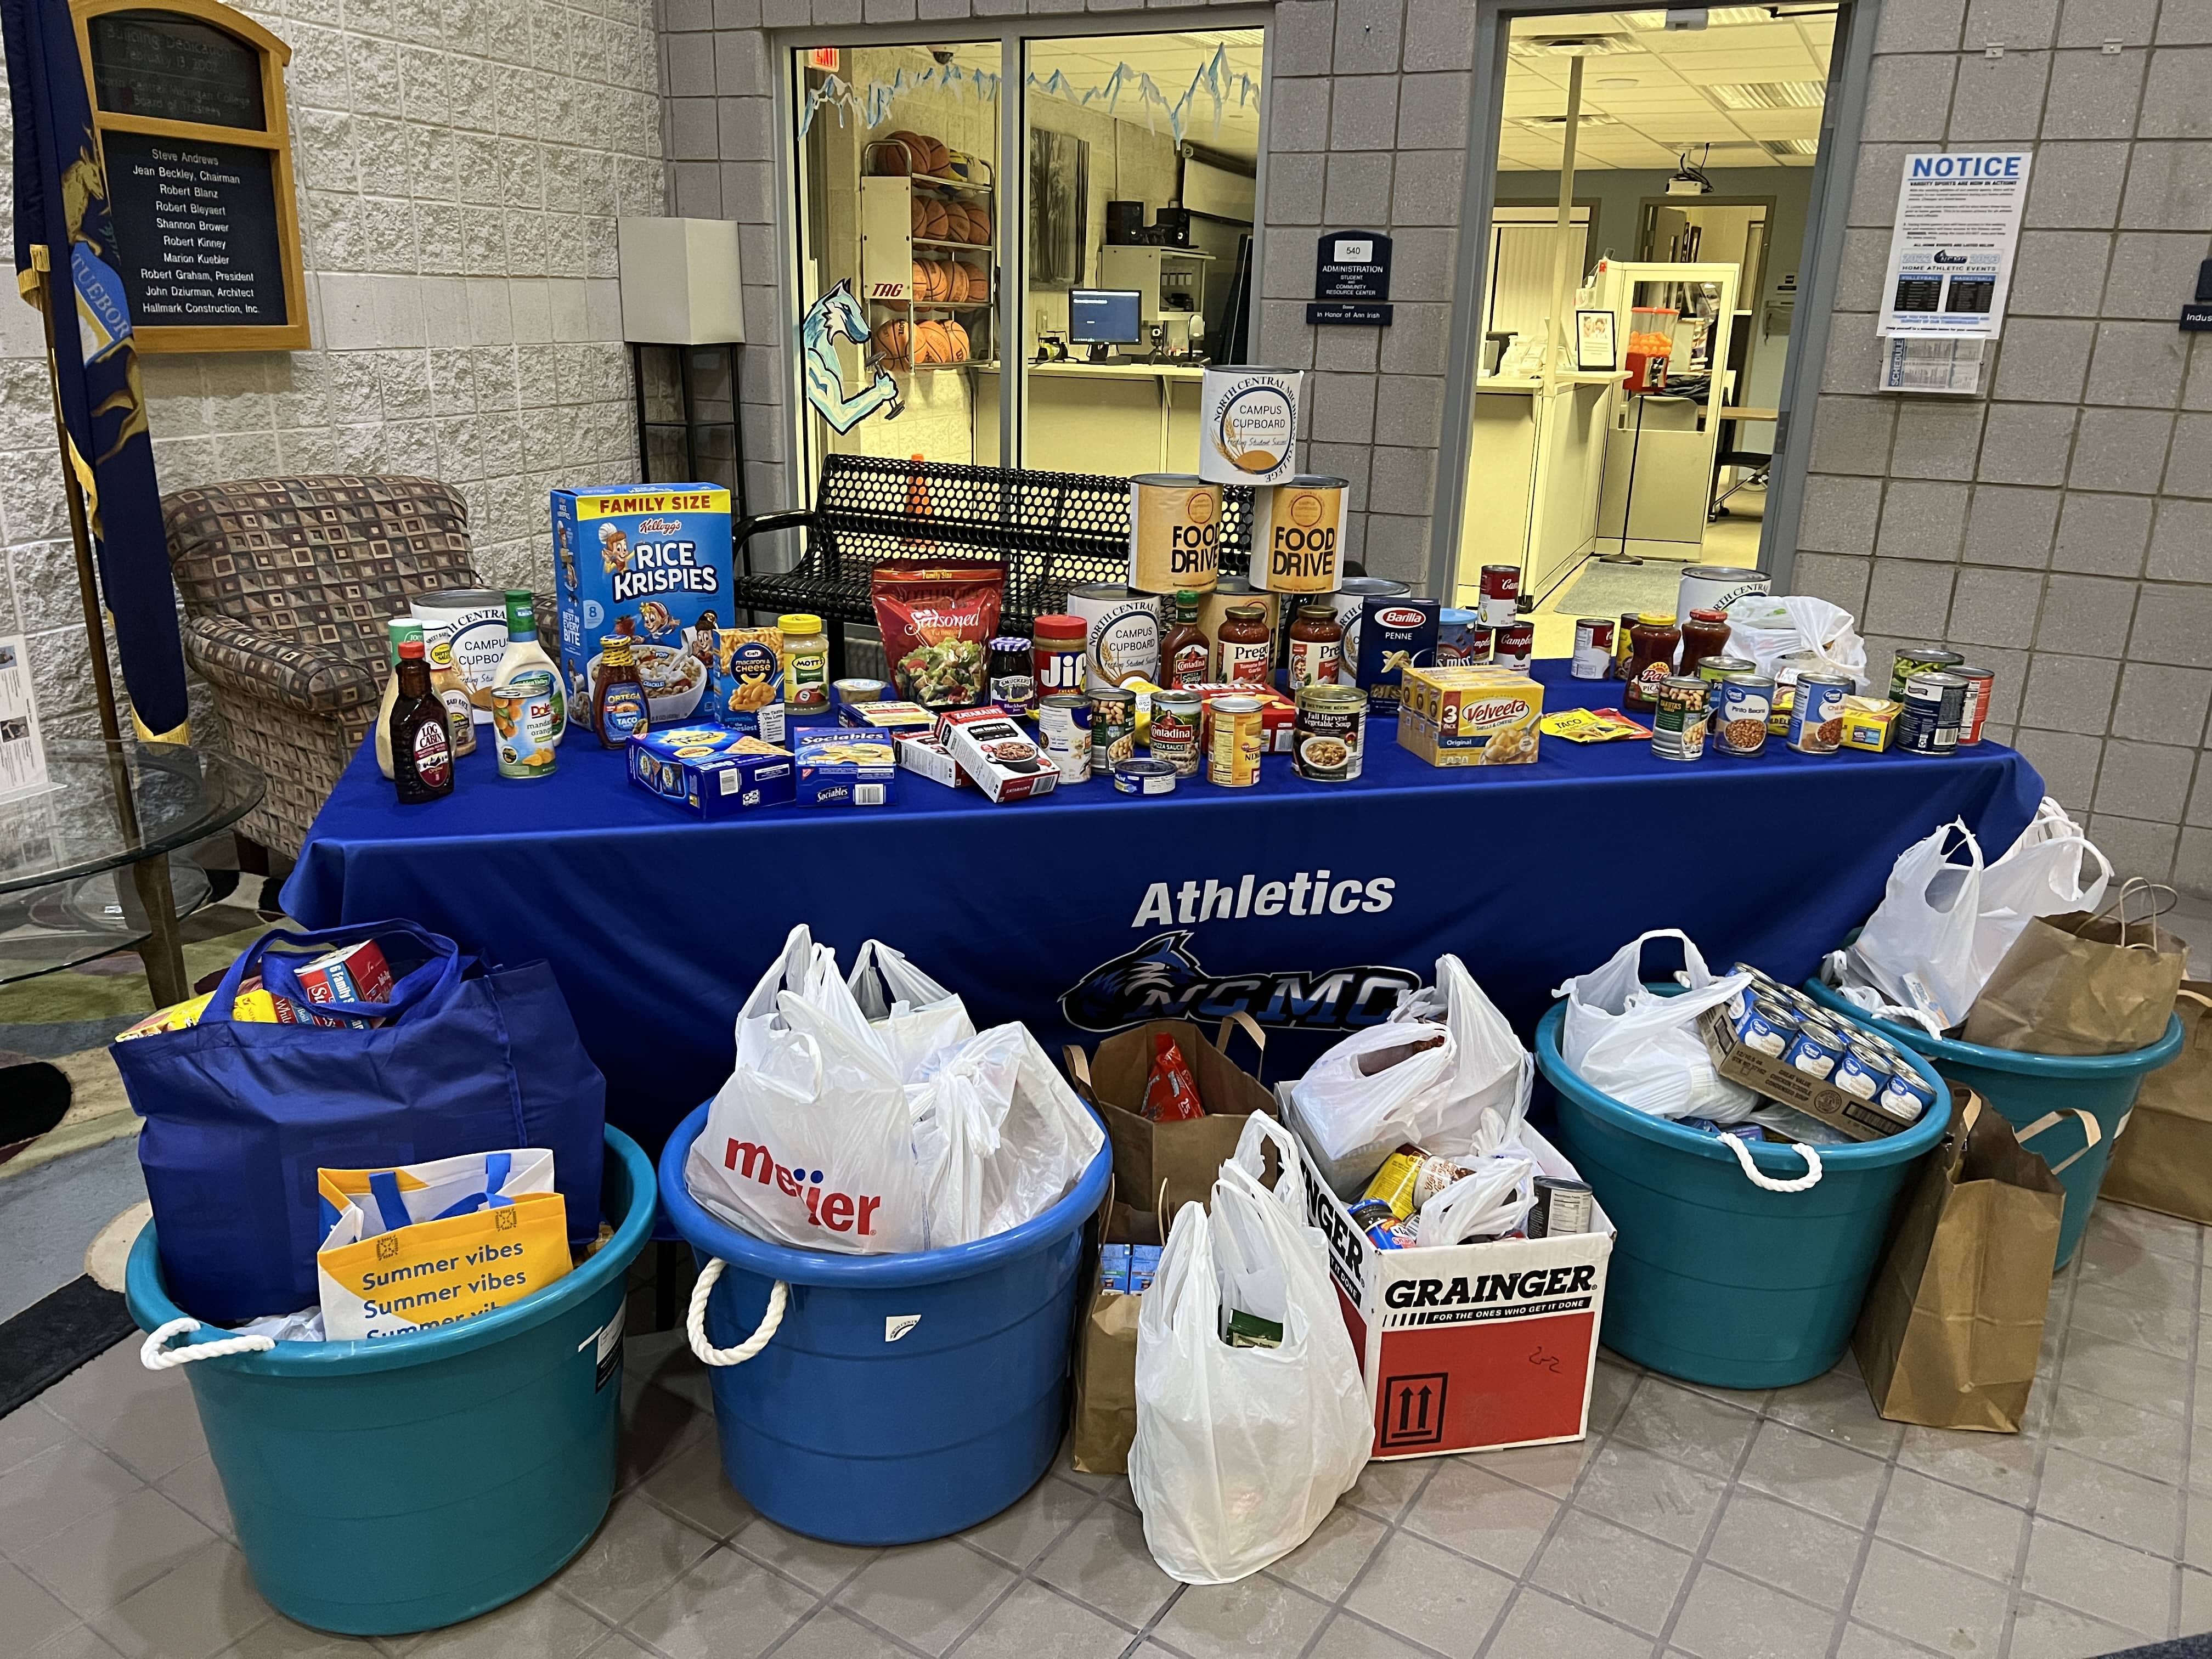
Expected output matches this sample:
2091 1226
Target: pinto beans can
1741 706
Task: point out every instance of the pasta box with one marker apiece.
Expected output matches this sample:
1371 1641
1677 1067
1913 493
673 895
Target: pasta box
715 772
1396 632
838 767
651 562
1469 1347
996 754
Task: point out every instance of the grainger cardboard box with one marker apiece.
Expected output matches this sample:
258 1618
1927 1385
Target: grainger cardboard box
1470 1347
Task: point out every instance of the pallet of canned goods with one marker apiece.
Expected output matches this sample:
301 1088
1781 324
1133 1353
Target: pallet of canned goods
1773 1038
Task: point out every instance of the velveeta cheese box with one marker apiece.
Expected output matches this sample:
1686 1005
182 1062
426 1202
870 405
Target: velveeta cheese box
1457 715
651 562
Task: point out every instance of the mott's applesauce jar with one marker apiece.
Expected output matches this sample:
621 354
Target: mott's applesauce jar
1234 742
1330 733
806 662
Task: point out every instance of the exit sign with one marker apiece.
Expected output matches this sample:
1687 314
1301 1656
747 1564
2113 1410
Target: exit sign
822 58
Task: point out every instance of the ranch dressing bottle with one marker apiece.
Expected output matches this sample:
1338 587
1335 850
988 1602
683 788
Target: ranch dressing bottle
523 651
400 630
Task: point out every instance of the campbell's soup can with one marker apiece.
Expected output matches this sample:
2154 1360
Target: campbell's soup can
1980 682
1395 632
1175 532
1351 600
1501 593
1593 658
1121 634
1516 643
1296 530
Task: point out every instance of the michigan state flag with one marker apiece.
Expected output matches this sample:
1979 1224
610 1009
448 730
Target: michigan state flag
61 201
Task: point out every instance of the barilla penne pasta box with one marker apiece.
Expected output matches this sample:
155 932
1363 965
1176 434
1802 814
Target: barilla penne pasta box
651 562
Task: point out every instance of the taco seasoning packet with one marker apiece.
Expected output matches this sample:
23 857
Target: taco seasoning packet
935 616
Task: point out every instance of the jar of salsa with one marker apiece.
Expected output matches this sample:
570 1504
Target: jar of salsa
1246 649
1652 644
1705 633
1316 646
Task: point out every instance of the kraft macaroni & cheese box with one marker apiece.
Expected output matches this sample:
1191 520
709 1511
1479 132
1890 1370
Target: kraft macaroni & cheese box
651 562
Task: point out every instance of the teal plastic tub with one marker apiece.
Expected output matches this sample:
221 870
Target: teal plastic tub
1716 1280
2040 1096
412 1482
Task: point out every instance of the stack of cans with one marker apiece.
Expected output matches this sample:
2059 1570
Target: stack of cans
1781 1020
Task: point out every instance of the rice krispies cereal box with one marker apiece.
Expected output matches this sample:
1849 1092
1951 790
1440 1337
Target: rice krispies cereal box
651 562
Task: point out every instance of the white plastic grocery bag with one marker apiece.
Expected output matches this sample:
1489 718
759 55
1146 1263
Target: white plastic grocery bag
1642 1048
1000 1136
810 1142
918 1019
2041 874
1498 1191
1242 1452
1767 628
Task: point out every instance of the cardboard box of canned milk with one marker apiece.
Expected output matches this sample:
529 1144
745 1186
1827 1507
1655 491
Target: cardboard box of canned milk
1470 715
1470 1347
651 562
1774 1076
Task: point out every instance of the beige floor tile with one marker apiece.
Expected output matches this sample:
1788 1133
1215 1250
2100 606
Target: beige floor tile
638 1550
1792 1549
818 1565
656 1424
139 1417
1327 1563
1037 1623
115 1553
2156 1382
1817 1473
691 1482
1538 1624
620 1646
59 1488
280 1638
2097 1577
1859 1642
78 1642
2110 1432
1690 1428
1629 1578
1836 1405
1020 1534
2116 1266
200 1607
1468 1508
1429 1596
2002 1466
830 1634
2162 1330
197 1489
1925 1602
1978 1533
1348 1636
29 1613
2196 1600
2197 1531
728 1607
1104 1564
2129 1509
928 1594
1640 1489
1553 1468
1610 1386
2042 1630
1385 1489
1255 1616
1727 1616
2160 1235
27 1432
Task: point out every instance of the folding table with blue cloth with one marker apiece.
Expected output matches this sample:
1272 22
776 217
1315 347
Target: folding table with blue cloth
1308 905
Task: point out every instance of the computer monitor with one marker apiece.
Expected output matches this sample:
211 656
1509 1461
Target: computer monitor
1105 316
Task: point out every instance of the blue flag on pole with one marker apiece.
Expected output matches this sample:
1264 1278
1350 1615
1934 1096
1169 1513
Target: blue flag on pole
61 201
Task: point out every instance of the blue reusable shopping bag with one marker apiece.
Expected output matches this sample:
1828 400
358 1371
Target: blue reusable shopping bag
240 1115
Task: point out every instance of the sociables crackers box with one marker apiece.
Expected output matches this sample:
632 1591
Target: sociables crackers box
652 562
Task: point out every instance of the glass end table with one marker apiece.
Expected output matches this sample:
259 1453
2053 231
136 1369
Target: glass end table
111 807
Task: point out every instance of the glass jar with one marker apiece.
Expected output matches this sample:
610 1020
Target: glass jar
1705 633
1652 644
1244 647
806 662
1317 645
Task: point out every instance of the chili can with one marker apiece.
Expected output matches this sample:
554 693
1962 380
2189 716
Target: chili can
1064 733
1501 594
1329 734
1234 740
1741 705
1816 719
1934 705
1177 721
1516 643
1980 683
1593 657
1678 718
1919 660
1113 729
522 719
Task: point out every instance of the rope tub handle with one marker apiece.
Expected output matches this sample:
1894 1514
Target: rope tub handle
155 1355
694 1322
1801 1184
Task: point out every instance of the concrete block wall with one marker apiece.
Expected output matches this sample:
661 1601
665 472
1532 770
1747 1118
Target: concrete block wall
460 165
2057 527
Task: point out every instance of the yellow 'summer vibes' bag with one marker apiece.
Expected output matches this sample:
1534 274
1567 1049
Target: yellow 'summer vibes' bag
428 1244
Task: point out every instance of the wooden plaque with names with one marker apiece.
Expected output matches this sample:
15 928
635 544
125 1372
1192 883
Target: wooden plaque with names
188 98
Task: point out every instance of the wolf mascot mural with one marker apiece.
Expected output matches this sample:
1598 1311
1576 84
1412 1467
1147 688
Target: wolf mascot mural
1162 979
838 315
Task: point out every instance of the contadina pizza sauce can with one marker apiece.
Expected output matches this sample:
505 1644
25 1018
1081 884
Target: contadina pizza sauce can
1247 418
1121 634
1175 532
1295 531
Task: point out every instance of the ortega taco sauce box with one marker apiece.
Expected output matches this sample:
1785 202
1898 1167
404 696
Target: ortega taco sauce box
652 562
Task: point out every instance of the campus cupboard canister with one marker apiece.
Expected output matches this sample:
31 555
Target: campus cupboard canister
1175 532
1248 425
1122 635
1296 530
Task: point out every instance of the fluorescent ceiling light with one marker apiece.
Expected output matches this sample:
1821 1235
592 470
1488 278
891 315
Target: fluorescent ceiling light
1729 16
1768 94
1792 146
1571 46
1547 123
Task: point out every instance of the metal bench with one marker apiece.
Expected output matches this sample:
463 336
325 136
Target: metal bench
1053 532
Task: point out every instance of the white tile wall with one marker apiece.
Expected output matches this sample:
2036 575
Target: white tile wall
461 164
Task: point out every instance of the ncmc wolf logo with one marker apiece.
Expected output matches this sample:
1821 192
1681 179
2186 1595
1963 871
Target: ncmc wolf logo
1161 979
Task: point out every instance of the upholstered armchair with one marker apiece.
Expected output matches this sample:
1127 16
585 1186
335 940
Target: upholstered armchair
287 584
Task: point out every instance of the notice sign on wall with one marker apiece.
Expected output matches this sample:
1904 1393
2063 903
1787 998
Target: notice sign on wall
1352 278
1951 254
197 223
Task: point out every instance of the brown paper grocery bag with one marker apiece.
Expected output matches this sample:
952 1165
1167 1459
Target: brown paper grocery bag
1185 1157
1106 1351
1950 1332
2163 1159
2084 983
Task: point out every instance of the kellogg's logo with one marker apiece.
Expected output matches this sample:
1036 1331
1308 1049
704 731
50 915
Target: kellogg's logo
1161 979
660 526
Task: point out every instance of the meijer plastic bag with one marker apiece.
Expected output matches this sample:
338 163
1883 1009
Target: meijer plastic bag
1643 1049
1772 628
1241 1452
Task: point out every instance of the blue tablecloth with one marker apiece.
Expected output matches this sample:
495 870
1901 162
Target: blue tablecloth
1087 909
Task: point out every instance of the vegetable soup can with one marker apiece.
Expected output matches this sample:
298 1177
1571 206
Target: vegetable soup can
1593 658
1351 597
1934 706
1175 532
522 716
1329 733
1248 425
1064 733
1742 703
1178 717
1980 683
1296 528
1235 737
1121 634
1919 660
